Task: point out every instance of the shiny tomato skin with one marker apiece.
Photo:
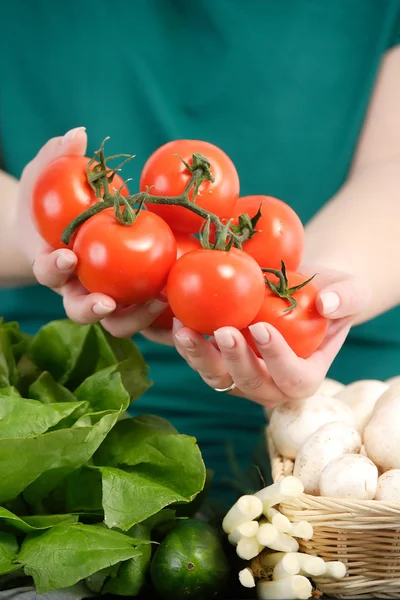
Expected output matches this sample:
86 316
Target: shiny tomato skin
129 263
303 327
280 233
184 243
209 289
169 176
61 193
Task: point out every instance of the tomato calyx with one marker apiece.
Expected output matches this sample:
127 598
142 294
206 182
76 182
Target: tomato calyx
246 228
200 170
100 175
282 288
126 208
223 238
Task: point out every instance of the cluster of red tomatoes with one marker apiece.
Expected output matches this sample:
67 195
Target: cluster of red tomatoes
206 288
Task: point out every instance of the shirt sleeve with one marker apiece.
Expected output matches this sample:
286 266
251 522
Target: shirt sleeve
396 36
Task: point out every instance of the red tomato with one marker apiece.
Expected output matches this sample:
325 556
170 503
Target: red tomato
61 193
184 243
169 176
302 327
208 289
128 263
280 233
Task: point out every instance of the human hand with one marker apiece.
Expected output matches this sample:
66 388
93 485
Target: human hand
280 375
56 268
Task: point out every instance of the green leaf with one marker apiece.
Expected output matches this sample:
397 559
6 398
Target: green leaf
10 391
33 523
8 552
130 441
19 340
158 467
8 368
67 350
105 354
131 575
82 491
21 418
124 349
28 372
48 521
49 391
62 556
114 387
164 517
24 460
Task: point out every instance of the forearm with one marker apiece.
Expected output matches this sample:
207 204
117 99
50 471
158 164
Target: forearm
358 232
15 268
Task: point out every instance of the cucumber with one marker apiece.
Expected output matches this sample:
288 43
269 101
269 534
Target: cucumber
131 576
190 563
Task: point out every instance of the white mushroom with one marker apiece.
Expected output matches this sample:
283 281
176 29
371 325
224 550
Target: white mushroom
363 451
351 476
296 587
389 486
361 396
329 387
381 435
324 445
292 423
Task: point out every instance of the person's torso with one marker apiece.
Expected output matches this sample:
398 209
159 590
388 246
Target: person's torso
282 86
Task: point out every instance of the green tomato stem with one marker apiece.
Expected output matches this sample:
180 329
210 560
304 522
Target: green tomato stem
101 176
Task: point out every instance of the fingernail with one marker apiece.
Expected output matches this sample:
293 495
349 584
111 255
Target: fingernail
176 325
224 339
156 307
65 262
71 134
102 309
185 341
330 302
260 333
162 296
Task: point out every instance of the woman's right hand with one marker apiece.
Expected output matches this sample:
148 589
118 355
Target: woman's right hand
56 268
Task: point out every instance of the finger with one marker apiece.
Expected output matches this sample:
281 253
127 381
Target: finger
84 308
201 356
247 371
73 142
344 298
125 322
54 268
296 377
288 371
322 359
159 336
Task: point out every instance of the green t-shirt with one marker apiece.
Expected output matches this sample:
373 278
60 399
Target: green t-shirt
281 85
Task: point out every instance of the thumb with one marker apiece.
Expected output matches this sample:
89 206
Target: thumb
73 142
344 298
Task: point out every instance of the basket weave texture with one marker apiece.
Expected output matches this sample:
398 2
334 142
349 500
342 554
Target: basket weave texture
365 535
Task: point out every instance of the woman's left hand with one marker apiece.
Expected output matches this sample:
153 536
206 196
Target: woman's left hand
280 375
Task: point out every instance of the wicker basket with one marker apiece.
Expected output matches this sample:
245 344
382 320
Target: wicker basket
365 535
